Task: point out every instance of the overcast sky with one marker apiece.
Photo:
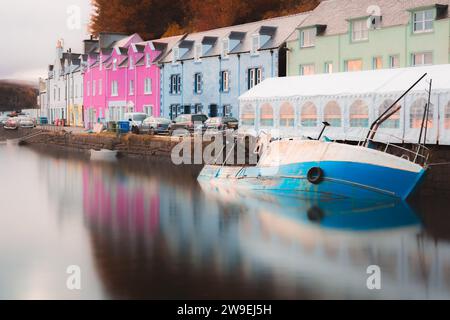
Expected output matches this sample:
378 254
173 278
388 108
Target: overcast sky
29 30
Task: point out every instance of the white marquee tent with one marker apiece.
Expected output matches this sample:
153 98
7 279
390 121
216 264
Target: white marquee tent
351 101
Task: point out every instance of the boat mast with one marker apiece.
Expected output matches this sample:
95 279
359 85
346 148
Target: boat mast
382 118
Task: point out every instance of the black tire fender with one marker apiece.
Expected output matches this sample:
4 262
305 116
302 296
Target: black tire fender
315 175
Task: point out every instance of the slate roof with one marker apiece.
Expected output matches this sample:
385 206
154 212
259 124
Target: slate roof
279 29
335 14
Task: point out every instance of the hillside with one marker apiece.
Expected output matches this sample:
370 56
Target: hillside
17 95
156 18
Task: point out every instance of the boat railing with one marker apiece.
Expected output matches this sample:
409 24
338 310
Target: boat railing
389 143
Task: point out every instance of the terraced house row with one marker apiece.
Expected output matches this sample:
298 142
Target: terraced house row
207 72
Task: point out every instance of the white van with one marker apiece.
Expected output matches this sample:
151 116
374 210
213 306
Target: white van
135 119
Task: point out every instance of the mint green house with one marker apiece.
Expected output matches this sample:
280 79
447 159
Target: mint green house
348 35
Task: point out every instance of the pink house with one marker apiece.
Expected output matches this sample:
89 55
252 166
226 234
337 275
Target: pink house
124 77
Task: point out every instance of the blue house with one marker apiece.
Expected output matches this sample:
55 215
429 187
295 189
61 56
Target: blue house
208 71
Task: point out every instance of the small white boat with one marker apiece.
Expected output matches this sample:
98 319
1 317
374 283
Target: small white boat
104 155
13 142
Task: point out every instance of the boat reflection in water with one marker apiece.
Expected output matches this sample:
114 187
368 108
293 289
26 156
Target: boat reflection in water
328 246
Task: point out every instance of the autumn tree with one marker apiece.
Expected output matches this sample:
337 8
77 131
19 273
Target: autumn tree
154 18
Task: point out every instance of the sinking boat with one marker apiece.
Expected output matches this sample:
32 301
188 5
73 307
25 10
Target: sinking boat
326 169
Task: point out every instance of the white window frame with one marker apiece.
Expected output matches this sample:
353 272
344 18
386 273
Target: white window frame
94 86
392 59
225 81
131 88
198 83
375 61
148 86
329 67
360 30
422 55
115 64
304 67
147 108
100 87
148 59
114 88
88 90
421 20
308 37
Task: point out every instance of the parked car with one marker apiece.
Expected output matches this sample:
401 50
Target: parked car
3 121
135 119
189 122
27 122
12 123
222 123
153 125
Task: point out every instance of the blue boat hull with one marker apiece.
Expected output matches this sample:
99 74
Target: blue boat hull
341 180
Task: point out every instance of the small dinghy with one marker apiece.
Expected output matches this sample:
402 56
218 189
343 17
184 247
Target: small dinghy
13 142
103 155
324 169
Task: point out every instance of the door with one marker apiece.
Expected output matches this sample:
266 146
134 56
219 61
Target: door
213 110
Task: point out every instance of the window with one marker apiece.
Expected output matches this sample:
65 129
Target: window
394 121
359 115
422 59
308 115
148 110
328 67
227 111
394 61
175 84
333 114
308 38
131 62
88 89
114 64
307 69
423 21
147 86
248 115
447 116
254 77
131 91
377 63
360 31
148 59
94 86
176 55
255 44
100 87
198 52
114 88
353 65
287 115
417 112
266 119
224 81
225 47
198 83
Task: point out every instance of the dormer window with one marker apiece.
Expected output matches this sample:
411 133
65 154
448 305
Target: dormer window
225 47
360 30
131 62
176 55
148 60
308 37
198 52
423 21
114 64
255 44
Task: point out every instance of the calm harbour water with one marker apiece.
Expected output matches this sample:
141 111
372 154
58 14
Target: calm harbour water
144 230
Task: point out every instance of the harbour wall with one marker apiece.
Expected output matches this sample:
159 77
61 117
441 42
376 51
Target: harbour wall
436 183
